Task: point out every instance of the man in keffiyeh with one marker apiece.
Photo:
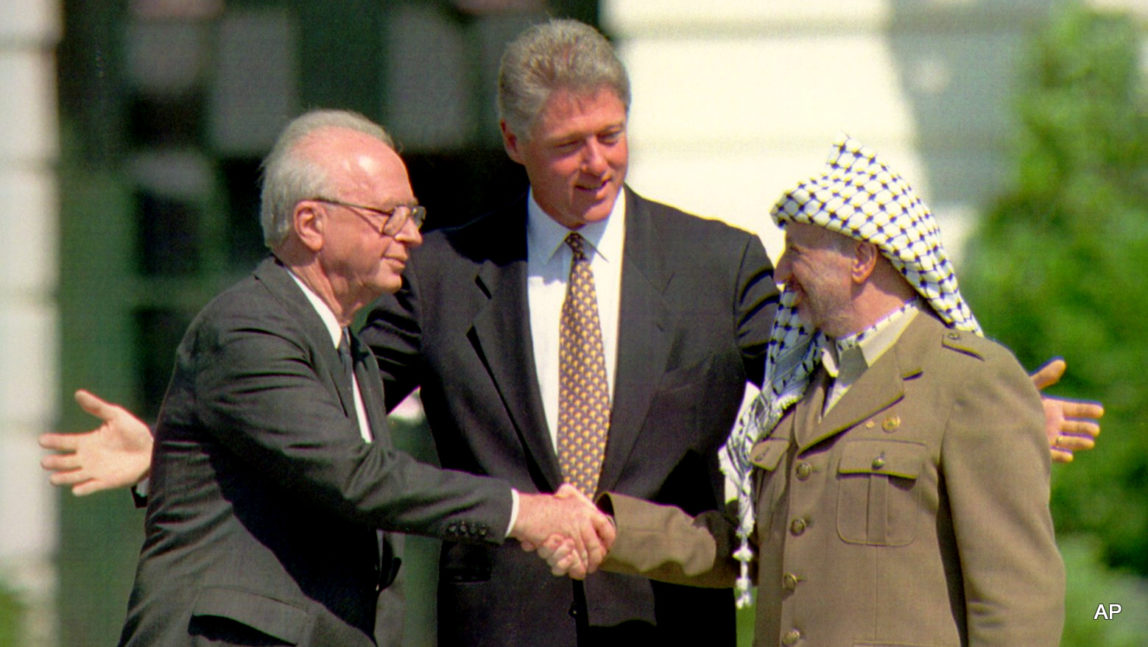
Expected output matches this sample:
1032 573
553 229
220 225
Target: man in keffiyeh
893 472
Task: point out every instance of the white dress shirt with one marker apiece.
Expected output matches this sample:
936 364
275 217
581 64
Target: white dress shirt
336 332
548 270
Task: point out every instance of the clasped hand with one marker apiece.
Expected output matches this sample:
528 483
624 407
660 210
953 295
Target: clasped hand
566 529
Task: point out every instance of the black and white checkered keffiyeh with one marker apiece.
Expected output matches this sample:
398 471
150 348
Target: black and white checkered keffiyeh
859 197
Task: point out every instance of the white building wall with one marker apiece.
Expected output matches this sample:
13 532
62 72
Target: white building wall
735 101
29 31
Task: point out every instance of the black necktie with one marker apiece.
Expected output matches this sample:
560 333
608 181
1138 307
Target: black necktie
345 356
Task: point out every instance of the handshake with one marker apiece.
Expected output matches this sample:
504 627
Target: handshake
566 529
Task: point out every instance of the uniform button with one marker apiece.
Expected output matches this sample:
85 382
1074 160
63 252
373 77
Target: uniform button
804 470
797 526
757 454
789 581
878 462
791 637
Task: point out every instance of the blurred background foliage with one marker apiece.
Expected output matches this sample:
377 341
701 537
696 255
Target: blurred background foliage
10 610
1057 267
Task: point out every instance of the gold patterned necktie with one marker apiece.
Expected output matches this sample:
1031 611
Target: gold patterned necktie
583 393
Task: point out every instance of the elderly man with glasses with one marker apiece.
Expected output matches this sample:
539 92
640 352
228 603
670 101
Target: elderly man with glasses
274 484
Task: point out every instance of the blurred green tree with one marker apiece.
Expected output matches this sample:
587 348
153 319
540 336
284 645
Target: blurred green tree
1091 584
1058 264
11 611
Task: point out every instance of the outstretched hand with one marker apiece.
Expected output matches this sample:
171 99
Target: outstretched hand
1071 425
116 454
566 523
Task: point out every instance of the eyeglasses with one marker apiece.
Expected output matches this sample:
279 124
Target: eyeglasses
393 220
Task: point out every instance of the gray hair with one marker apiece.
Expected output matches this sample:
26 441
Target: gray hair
556 54
289 175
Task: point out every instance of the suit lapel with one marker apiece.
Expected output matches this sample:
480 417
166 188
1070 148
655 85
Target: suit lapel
500 335
278 280
878 388
808 412
642 338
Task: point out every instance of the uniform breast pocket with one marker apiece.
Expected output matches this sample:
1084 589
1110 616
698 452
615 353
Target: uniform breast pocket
769 482
877 493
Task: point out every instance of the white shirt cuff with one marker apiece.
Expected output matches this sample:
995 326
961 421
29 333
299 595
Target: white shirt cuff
513 511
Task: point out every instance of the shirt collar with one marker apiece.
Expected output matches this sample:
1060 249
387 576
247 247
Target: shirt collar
871 343
545 236
325 312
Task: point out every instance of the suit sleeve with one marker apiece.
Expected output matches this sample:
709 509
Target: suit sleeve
995 463
664 543
755 304
258 392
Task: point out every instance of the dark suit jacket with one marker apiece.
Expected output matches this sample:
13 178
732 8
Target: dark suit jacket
264 501
914 513
697 301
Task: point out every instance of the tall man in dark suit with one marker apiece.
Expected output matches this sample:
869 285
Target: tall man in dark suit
273 465
683 305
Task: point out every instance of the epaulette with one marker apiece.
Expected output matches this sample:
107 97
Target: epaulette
965 342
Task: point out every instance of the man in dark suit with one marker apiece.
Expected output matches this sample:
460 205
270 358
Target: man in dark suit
273 467
684 305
